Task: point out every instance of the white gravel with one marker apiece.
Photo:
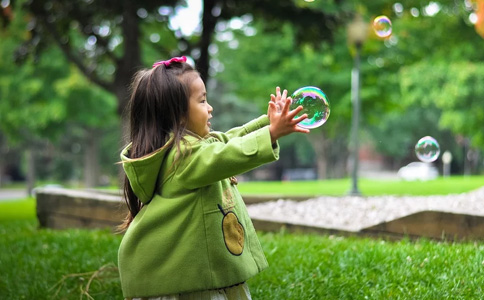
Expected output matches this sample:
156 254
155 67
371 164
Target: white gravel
355 213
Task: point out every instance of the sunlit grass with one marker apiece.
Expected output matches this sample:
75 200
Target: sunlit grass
23 209
368 187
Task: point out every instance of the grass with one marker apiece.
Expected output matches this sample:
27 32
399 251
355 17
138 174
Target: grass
17 209
81 264
49 264
368 187
341 187
327 267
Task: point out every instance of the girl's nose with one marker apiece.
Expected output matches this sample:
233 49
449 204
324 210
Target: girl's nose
210 108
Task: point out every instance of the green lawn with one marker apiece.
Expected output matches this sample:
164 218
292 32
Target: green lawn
50 264
34 262
80 264
328 267
17 209
368 187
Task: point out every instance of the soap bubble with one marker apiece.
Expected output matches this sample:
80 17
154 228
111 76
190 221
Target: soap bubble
427 149
382 26
315 104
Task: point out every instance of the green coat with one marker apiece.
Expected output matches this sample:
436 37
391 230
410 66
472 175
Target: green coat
194 232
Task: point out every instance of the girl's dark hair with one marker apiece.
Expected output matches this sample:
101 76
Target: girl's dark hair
157 107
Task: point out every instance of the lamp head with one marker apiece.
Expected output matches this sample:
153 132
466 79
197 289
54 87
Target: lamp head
357 31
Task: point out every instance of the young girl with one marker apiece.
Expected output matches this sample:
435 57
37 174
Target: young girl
188 234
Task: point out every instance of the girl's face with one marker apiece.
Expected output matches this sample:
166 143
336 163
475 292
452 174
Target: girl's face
199 111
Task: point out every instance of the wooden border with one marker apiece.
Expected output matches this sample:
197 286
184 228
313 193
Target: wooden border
65 208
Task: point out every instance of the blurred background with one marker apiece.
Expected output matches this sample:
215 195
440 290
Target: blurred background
66 66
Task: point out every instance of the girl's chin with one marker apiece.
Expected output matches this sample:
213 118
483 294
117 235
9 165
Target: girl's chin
207 131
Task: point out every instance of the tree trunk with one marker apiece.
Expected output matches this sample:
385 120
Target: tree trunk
3 153
31 174
337 157
130 62
2 170
319 145
91 161
128 65
123 96
208 22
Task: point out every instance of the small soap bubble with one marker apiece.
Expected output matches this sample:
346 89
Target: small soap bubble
382 26
315 104
427 149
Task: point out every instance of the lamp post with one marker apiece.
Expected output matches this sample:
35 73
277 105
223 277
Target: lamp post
357 34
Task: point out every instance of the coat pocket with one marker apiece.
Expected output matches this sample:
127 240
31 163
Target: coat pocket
249 144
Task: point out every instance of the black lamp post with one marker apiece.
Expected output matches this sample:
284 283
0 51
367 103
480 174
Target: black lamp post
357 34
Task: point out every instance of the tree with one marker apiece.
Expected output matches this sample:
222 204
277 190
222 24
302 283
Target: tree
430 42
42 98
108 40
101 35
456 90
29 110
281 60
92 112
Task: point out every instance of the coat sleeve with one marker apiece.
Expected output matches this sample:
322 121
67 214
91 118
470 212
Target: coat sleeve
249 127
214 160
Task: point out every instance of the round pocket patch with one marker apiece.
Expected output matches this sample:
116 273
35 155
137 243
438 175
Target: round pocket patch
233 232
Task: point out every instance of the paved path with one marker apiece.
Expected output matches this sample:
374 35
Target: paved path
12 194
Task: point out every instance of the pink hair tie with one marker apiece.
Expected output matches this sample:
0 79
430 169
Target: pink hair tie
168 62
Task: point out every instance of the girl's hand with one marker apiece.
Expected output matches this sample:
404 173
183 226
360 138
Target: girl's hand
282 122
279 99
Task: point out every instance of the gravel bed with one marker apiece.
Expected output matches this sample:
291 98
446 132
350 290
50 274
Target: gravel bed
352 213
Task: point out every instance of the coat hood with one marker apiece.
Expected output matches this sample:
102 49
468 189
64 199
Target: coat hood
143 172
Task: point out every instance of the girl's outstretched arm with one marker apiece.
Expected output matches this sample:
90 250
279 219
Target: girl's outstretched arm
212 159
248 127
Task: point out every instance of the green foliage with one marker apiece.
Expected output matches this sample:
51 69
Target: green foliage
414 75
291 44
47 103
86 105
39 97
29 107
230 112
163 48
279 60
311 23
454 88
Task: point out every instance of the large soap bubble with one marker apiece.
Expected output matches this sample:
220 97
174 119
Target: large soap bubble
315 104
